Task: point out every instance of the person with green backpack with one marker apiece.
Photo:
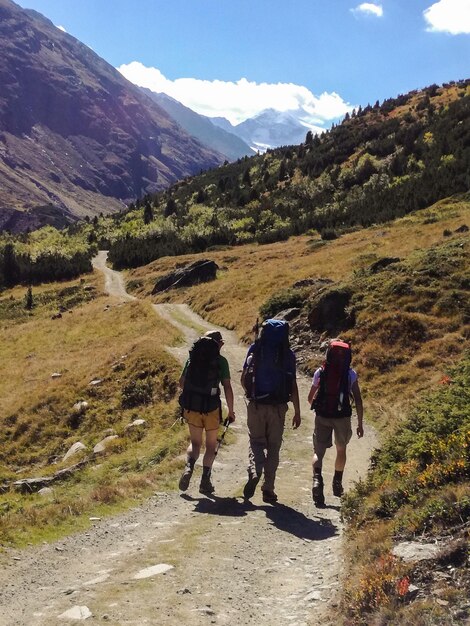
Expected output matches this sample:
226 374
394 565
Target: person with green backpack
201 406
269 381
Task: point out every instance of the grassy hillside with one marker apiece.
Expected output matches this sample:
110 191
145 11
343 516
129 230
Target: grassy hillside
380 163
119 345
406 312
407 315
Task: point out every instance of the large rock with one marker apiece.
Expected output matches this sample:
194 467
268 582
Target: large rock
198 272
329 312
76 448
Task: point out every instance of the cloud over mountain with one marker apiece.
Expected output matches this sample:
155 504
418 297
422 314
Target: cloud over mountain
240 100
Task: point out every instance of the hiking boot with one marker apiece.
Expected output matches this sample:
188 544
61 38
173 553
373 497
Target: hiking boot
206 487
337 488
317 491
250 487
269 496
186 477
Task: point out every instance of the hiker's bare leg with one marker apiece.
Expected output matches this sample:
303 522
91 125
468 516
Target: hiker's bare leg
318 459
194 448
340 458
211 443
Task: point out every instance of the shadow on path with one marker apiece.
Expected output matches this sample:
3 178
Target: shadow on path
283 517
291 521
217 506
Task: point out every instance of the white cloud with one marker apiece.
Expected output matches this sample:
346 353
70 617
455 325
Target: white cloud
449 16
239 100
369 9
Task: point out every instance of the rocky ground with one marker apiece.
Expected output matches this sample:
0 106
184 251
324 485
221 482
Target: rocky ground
191 559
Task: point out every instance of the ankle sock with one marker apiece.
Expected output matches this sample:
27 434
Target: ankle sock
206 472
338 476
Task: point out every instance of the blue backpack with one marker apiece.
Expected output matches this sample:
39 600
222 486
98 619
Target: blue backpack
270 368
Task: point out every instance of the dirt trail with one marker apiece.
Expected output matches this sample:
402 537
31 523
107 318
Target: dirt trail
228 562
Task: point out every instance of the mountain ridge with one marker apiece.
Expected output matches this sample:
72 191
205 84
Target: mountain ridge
200 126
74 133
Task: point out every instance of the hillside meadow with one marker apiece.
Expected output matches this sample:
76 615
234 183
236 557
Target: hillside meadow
407 283
410 346
253 275
102 352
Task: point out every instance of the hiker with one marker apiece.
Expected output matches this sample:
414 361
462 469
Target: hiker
269 381
201 406
332 387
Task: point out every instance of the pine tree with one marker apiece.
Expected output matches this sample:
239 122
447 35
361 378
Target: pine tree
148 212
28 300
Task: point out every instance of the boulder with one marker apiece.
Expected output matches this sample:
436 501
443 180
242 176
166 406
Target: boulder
80 407
100 447
329 312
32 485
382 263
198 272
136 425
77 448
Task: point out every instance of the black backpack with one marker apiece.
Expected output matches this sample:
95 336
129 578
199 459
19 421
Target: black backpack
269 377
332 399
201 391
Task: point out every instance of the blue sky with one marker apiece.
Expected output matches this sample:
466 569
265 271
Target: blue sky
236 57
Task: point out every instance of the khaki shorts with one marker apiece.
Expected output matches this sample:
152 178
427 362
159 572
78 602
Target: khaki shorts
323 433
208 421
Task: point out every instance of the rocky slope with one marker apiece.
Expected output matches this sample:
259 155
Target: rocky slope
74 133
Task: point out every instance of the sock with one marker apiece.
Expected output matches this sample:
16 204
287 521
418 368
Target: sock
338 476
190 461
317 471
206 472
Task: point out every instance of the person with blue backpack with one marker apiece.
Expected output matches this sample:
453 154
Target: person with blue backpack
269 381
333 385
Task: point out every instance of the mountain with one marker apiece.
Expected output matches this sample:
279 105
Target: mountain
201 127
270 129
223 122
75 135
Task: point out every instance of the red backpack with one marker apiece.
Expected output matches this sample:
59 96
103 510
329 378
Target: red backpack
332 399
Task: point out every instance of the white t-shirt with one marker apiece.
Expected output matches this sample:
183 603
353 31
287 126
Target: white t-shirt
352 377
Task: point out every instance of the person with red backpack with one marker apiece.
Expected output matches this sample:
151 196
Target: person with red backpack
332 387
269 381
201 407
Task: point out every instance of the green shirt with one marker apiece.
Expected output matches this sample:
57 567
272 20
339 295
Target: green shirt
224 370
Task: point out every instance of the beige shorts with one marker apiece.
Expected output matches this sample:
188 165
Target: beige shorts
208 421
324 429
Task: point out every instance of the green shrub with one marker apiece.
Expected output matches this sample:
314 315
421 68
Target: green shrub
137 392
282 300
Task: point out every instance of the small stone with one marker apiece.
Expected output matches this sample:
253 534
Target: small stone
76 612
56 375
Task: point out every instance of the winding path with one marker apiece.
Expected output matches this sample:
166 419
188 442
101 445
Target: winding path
231 562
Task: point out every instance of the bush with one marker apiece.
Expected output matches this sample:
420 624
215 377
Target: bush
136 393
282 300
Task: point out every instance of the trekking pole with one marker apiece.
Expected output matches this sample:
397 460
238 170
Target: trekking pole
220 439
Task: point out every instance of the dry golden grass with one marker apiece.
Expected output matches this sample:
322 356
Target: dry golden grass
250 274
82 345
36 410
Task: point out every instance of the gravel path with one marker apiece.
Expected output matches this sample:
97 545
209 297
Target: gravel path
189 559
